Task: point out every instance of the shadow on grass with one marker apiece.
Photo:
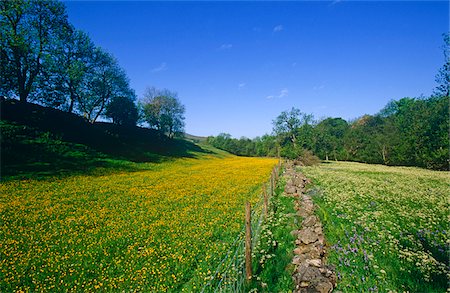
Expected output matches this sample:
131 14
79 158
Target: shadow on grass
39 142
42 157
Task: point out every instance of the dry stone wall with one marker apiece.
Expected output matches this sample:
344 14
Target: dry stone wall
311 273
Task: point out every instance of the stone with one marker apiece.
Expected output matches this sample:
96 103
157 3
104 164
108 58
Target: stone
309 274
290 189
321 239
303 213
316 251
298 251
324 287
309 221
314 262
307 236
297 260
304 284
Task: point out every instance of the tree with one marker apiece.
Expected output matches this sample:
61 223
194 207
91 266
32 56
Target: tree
163 111
123 111
65 80
443 76
28 30
329 138
287 123
105 80
294 132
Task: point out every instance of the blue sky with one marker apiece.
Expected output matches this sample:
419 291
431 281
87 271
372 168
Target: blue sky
237 65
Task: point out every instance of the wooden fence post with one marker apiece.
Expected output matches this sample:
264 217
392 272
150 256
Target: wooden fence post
266 202
248 241
271 184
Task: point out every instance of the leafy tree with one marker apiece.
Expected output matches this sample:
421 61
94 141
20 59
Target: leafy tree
266 146
123 111
65 82
305 133
105 80
443 76
293 130
287 123
28 30
330 138
163 111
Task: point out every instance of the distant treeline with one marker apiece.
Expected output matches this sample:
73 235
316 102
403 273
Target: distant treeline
408 132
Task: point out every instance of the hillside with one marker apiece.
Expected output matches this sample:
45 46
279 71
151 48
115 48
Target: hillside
41 141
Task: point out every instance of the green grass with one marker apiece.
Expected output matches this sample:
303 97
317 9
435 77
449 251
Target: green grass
39 143
274 252
164 227
88 207
387 226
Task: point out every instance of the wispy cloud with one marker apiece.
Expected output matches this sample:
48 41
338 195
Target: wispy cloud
319 87
278 28
242 85
283 93
226 47
161 67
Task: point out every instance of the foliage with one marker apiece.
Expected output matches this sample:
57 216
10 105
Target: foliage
122 111
259 146
307 158
28 31
76 146
330 137
64 81
408 132
157 229
106 80
163 111
443 76
46 60
388 226
287 123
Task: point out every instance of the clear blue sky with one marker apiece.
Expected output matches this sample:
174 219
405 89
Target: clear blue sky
237 65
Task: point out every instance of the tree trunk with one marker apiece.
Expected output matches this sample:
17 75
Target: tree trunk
294 140
383 152
23 96
72 102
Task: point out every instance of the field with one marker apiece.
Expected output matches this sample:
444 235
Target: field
388 226
161 227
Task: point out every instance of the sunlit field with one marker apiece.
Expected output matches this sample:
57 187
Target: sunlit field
160 229
388 226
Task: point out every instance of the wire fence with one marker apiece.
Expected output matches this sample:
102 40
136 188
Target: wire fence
230 274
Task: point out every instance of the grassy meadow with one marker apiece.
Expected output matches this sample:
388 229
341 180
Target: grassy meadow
161 227
387 226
